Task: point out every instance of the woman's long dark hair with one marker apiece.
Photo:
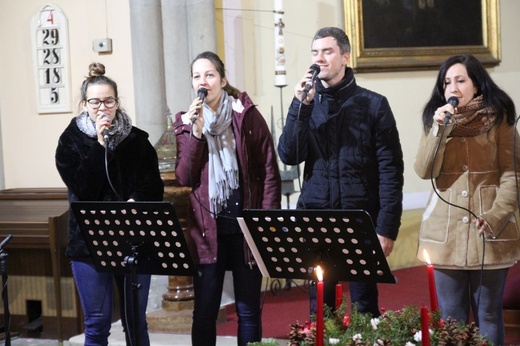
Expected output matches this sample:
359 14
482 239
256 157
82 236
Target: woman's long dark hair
219 66
493 96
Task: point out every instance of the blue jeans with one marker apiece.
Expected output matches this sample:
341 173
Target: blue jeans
458 290
95 294
208 285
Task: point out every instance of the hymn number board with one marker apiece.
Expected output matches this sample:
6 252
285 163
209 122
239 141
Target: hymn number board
50 41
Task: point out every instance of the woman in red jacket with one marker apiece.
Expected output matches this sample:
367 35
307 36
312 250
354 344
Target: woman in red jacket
225 152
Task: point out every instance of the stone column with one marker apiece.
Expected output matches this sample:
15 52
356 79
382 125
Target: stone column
166 37
189 28
148 66
177 57
202 26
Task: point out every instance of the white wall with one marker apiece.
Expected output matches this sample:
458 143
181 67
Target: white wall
29 140
406 91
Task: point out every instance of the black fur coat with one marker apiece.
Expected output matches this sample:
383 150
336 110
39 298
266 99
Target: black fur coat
133 169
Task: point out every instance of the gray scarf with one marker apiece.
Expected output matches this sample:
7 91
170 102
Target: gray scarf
223 165
118 131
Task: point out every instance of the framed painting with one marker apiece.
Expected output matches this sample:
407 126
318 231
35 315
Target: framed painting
397 35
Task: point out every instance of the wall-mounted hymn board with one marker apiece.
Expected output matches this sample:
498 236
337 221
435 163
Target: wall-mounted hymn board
50 46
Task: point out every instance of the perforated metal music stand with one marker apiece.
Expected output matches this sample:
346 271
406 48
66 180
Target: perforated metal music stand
291 243
134 238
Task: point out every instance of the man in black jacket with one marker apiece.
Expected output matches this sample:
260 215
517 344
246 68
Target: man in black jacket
348 138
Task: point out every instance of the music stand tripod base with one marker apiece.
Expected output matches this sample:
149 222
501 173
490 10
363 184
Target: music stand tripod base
134 238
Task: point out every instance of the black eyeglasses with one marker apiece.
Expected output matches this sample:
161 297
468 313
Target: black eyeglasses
96 103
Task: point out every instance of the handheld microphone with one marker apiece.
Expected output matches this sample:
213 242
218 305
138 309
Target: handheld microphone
315 71
201 94
105 134
105 131
454 102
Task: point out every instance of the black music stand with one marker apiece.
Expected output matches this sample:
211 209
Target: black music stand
134 238
291 243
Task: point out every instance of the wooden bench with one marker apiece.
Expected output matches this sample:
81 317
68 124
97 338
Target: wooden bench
37 220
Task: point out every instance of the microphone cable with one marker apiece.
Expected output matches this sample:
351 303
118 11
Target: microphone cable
263 295
515 163
106 138
316 69
213 214
202 93
298 152
108 174
458 206
128 329
192 185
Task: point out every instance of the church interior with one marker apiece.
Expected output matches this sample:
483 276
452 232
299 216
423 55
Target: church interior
147 47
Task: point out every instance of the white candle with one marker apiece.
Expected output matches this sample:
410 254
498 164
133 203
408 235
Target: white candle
279 45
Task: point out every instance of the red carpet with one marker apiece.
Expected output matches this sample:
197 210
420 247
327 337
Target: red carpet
280 311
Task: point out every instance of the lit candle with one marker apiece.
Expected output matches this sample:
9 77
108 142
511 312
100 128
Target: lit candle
339 295
279 45
319 308
431 281
425 322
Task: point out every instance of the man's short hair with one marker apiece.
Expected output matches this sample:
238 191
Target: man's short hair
338 34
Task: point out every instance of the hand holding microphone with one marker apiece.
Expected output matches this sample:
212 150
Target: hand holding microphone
443 116
102 127
454 102
315 70
201 94
105 131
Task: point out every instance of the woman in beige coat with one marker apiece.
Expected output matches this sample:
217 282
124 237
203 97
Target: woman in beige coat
469 227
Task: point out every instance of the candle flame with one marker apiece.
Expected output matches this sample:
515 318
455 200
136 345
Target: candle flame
426 257
319 273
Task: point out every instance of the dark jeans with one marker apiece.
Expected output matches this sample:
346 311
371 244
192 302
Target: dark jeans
458 290
95 294
363 294
208 285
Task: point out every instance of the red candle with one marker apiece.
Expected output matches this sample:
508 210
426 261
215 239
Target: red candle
339 295
425 322
319 308
433 293
431 282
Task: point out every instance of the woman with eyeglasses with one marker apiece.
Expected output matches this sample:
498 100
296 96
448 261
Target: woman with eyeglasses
102 131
